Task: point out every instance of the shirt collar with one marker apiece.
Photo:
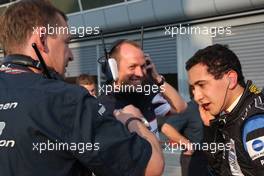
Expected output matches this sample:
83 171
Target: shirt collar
232 106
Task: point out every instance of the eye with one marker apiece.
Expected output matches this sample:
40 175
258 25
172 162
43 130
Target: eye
132 67
201 85
192 88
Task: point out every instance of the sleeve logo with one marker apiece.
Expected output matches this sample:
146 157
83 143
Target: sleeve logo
257 145
256 148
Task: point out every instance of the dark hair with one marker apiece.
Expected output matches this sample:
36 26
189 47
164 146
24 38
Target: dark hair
219 60
84 79
20 18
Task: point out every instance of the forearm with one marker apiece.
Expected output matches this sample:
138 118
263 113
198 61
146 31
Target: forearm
174 135
156 163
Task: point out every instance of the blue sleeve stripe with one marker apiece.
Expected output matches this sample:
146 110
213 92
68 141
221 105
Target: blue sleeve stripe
254 123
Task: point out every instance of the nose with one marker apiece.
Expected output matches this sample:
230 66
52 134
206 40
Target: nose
139 72
198 96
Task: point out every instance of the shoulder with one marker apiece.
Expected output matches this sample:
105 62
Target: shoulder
66 91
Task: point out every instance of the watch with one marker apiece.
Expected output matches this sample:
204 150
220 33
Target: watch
160 83
141 119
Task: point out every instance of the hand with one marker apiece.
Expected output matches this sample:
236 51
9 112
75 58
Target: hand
206 116
154 73
189 149
130 109
127 112
188 152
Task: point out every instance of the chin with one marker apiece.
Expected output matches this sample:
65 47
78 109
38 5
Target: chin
213 113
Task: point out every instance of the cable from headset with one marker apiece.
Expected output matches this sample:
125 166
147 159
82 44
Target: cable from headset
221 109
222 119
43 64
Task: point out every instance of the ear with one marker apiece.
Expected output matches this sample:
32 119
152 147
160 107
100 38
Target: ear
232 78
41 39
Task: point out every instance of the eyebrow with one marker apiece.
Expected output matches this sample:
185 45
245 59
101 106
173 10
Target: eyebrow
199 82
135 64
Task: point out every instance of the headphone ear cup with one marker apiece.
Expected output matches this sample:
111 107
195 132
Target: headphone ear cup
110 70
109 66
113 68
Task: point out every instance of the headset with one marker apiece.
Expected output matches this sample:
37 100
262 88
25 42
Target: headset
22 60
221 120
29 62
109 65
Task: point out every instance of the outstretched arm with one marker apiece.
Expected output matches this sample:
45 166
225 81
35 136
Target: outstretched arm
155 165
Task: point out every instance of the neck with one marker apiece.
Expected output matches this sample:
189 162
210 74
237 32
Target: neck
35 70
234 95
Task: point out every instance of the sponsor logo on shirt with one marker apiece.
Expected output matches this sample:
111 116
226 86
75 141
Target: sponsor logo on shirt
262 162
254 89
256 147
5 143
232 158
101 110
2 126
259 103
6 106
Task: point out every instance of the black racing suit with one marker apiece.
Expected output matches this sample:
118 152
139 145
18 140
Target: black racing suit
51 128
242 132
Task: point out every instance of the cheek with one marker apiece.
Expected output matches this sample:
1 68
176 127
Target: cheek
124 72
215 96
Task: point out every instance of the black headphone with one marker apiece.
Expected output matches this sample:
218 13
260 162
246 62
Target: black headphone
108 63
27 61
22 60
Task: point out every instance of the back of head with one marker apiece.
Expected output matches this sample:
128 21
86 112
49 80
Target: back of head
219 60
20 19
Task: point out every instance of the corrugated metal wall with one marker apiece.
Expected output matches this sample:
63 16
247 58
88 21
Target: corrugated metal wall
163 52
248 43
